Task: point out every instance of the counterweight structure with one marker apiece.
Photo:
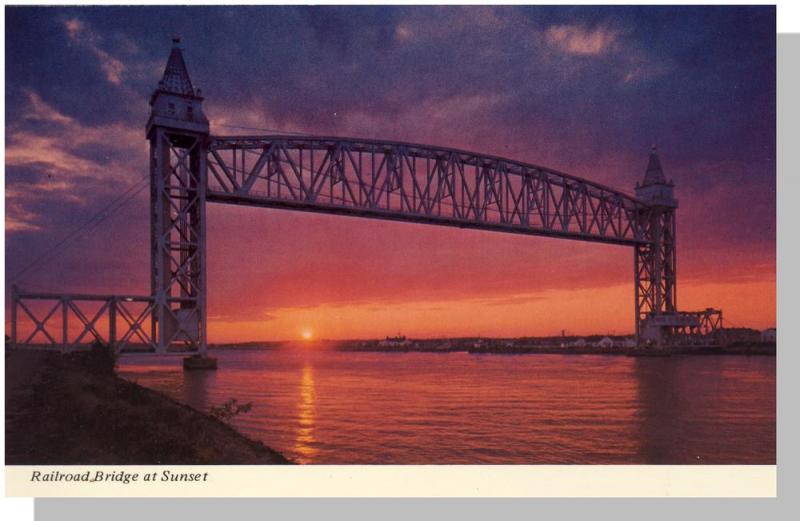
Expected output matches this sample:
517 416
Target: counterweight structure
375 179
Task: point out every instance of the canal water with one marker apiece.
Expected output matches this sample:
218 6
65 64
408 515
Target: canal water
331 407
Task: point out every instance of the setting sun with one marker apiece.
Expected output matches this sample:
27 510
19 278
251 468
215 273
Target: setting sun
307 334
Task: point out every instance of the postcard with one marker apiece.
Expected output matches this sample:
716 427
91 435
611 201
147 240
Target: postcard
390 250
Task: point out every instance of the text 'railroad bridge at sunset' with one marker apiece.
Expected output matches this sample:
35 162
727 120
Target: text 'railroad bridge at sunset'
190 167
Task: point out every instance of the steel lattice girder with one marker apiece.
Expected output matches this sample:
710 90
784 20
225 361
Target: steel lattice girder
115 320
418 183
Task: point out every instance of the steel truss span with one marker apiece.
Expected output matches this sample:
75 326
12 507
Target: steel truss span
418 183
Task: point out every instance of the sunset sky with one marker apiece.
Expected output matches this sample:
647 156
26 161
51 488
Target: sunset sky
582 90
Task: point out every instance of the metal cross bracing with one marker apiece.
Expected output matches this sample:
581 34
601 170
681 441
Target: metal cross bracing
654 266
418 183
70 321
369 178
177 199
702 323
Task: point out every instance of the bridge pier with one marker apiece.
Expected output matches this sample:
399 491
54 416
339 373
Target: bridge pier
199 363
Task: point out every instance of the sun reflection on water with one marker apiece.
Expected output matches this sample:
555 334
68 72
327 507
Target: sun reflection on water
304 440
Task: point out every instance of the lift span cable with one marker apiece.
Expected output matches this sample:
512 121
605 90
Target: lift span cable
286 132
95 220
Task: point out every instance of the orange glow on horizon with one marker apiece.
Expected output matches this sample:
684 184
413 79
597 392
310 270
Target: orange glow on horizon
584 311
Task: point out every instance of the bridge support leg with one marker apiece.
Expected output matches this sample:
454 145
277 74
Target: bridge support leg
14 306
112 324
64 324
655 278
178 169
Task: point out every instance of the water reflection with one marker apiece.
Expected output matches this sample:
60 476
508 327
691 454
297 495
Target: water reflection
658 409
304 439
195 388
691 410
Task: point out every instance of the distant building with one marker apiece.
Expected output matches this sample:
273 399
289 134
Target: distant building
395 341
740 335
769 335
579 343
605 342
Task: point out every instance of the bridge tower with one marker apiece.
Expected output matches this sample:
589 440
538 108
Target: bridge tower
178 134
654 262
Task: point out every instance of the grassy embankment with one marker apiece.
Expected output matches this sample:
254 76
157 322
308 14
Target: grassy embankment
73 409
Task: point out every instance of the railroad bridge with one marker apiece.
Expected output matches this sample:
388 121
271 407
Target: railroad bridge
190 167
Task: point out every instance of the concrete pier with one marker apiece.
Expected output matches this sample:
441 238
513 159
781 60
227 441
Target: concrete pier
197 362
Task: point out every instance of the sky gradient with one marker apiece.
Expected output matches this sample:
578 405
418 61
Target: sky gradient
581 90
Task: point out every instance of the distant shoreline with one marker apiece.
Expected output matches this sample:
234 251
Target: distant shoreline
754 349
749 349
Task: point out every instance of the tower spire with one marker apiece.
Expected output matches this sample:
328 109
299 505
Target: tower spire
175 103
176 77
655 189
654 174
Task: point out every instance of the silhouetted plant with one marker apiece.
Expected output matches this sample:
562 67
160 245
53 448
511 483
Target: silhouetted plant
100 358
228 410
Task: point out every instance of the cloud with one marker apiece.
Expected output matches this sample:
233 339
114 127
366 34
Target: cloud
580 40
426 24
233 315
513 300
18 219
46 137
427 120
81 34
45 160
403 32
